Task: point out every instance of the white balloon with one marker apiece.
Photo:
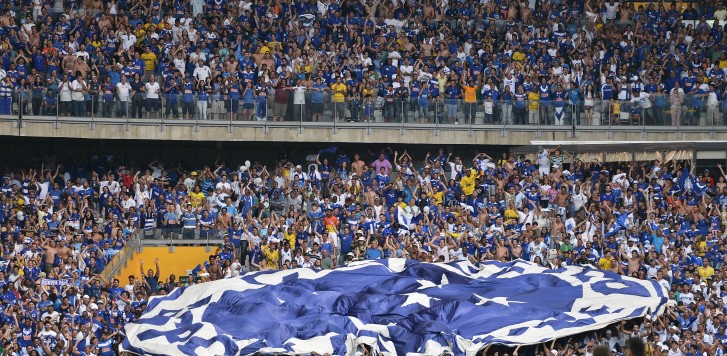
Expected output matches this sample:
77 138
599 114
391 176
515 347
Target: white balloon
258 181
426 210
243 169
247 164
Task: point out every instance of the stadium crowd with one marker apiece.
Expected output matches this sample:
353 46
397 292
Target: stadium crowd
62 224
517 62
513 62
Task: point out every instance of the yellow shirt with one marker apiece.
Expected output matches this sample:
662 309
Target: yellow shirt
511 214
139 33
442 83
339 92
605 263
291 239
701 247
470 94
303 69
149 60
705 272
723 64
273 256
437 198
468 184
197 199
533 100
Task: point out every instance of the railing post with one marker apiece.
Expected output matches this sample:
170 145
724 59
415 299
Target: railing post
20 115
93 114
229 113
401 116
58 106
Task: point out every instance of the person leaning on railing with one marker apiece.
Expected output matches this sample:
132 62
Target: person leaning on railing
712 104
676 98
6 96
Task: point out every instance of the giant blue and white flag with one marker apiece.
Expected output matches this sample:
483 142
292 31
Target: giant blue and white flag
403 217
398 307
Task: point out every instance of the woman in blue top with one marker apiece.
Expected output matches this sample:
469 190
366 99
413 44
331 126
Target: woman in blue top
519 106
187 98
661 103
232 104
248 101
203 91
423 103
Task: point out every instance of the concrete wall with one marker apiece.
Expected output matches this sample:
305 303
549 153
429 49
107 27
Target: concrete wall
345 132
178 262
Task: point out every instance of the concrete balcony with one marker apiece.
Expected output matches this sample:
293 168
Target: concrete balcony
345 132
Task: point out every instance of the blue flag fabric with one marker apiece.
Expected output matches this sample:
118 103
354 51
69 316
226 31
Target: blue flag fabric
396 306
331 150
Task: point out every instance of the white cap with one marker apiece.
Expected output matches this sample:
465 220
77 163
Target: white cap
93 306
85 296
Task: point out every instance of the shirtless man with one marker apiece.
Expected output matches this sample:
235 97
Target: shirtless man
525 11
5 19
214 269
517 248
224 221
427 48
358 165
81 66
557 226
501 252
49 246
266 59
634 263
104 23
69 61
370 7
561 200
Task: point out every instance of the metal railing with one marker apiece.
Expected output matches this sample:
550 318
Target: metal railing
304 107
118 261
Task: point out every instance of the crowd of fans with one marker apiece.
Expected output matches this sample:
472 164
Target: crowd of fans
514 62
553 62
62 224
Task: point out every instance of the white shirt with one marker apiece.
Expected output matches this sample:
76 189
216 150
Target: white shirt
712 100
642 99
77 95
152 90
202 72
124 89
509 83
197 7
299 95
65 91
537 250
611 10
128 41
578 199
180 65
